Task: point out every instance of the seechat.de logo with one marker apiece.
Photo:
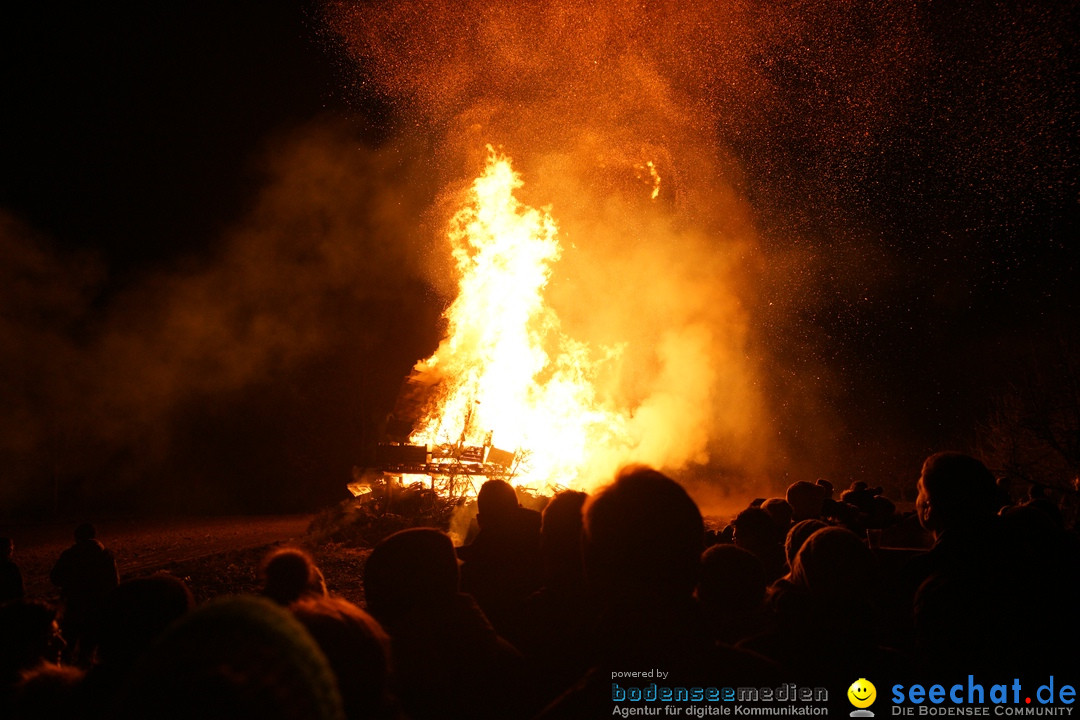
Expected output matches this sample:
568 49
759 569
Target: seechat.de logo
862 694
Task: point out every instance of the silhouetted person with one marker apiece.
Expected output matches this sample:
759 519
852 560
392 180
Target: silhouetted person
957 496
859 494
85 573
1051 559
985 573
137 612
11 581
358 650
835 565
559 617
643 540
732 593
799 533
29 636
825 612
132 617
957 503
289 574
448 659
881 513
560 539
234 658
48 692
756 532
864 507
780 512
806 500
502 566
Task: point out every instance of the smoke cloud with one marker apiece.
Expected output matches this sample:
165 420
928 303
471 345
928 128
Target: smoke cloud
247 379
593 103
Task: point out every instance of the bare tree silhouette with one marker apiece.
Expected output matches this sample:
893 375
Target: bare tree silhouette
1032 434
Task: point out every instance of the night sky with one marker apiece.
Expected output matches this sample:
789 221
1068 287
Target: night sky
931 203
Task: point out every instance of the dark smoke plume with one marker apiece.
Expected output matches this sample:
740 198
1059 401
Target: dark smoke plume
247 379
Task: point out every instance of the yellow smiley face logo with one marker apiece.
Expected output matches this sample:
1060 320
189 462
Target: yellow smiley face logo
862 693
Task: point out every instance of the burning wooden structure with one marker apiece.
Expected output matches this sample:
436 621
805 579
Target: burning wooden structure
507 394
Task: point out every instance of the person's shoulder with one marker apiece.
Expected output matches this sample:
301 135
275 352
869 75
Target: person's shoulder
465 553
529 517
93 546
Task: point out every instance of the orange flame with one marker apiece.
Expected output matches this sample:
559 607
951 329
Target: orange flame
507 374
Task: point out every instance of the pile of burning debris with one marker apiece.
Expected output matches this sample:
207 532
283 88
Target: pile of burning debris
382 505
413 485
416 487
454 471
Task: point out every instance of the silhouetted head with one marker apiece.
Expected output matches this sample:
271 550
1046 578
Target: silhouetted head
289 574
29 634
1037 524
49 692
798 535
956 491
643 537
137 612
834 564
495 503
7 548
358 650
85 531
410 568
560 529
731 579
780 512
235 658
755 530
806 500
882 512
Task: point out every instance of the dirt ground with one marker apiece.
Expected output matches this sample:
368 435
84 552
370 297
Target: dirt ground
215 556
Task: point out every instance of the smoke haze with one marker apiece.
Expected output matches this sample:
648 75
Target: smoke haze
844 190
585 100
189 383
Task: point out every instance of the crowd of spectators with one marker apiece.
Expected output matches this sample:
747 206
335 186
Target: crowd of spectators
530 618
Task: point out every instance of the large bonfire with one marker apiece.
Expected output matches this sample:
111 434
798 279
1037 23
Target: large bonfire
506 375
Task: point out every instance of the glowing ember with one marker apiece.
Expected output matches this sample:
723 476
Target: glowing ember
653 177
507 376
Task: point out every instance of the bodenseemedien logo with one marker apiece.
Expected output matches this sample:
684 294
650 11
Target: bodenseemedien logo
862 694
